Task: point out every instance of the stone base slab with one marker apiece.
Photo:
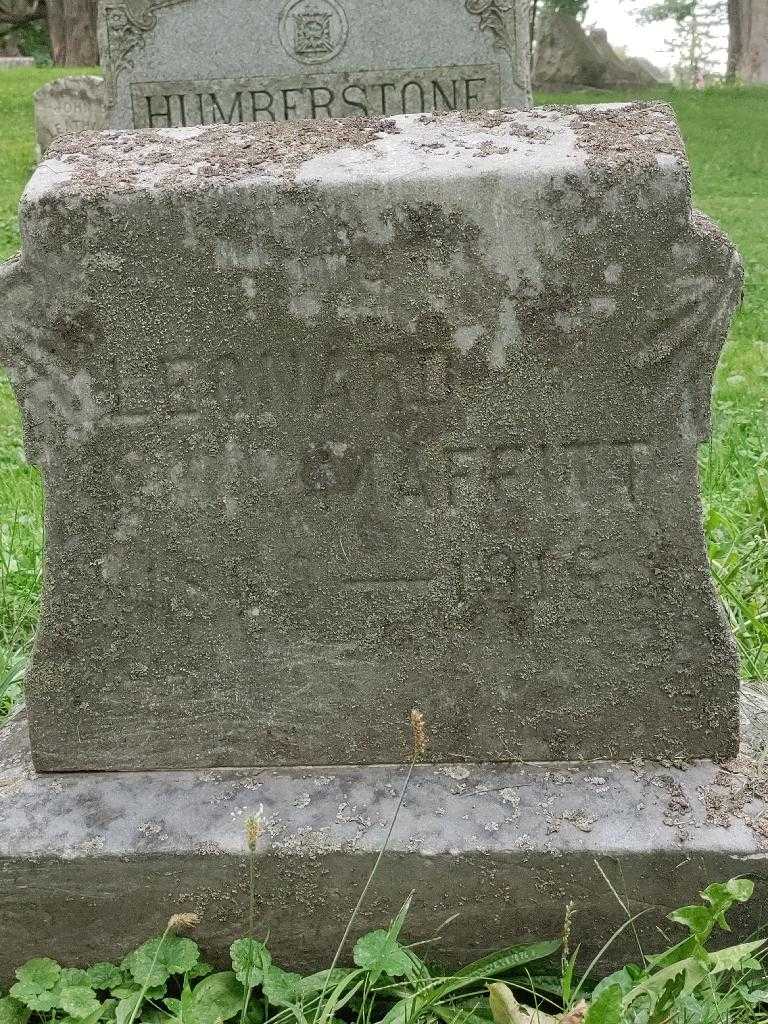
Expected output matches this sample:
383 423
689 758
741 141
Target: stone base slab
92 864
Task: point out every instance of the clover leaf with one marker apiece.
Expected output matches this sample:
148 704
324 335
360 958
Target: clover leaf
40 999
378 952
42 972
73 976
104 976
79 1001
154 962
281 988
250 960
38 984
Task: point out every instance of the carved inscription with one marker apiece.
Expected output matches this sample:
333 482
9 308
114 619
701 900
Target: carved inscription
371 434
313 31
398 494
515 473
531 471
175 388
76 116
313 96
513 476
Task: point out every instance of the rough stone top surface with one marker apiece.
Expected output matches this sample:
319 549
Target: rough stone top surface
69 84
632 138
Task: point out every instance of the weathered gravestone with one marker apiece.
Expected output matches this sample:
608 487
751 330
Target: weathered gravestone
69 105
339 419
333 419
188 62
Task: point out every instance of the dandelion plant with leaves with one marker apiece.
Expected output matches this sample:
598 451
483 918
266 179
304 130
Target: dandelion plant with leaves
167 981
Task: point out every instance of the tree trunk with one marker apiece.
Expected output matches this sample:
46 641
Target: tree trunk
532 34
72 25
748 41
735 41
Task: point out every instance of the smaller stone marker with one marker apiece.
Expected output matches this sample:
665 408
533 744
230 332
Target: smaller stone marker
16 62
69 105
335 419
187 62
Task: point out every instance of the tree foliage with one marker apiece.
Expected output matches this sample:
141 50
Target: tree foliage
700 27
17 14
660 10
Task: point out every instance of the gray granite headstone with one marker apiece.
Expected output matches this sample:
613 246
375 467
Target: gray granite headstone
69 105
339 419
188 62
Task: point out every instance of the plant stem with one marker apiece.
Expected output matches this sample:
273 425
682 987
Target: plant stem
145 986
251 922
252 888
369 881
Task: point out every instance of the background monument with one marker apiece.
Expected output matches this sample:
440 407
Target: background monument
177 62
68 105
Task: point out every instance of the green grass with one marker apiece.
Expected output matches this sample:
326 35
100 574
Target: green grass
726 132
17 141
21 528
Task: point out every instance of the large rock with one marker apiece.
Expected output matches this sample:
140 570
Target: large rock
659 75
568 57
619 72
565 55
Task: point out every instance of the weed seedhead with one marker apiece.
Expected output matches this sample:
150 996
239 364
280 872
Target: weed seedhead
419 730
254 828
183 923
567 925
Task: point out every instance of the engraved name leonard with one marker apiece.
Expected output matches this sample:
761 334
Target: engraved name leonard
187 393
